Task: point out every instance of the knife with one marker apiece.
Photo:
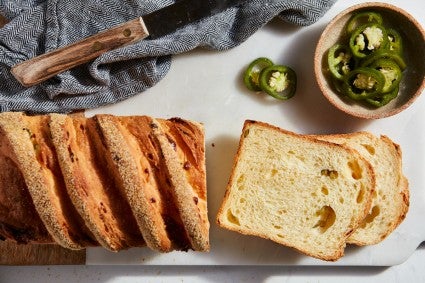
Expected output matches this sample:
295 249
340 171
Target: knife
153 25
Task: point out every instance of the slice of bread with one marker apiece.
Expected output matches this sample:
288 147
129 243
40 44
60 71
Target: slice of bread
183 148
91 182
390 201
136 159
142 158
19 219
45 184
296 190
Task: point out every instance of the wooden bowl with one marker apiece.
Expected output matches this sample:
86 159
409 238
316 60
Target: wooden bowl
413 82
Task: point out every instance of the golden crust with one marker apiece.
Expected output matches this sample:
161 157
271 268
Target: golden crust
90 184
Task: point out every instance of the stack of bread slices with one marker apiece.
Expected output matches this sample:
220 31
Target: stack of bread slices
115 182
315 193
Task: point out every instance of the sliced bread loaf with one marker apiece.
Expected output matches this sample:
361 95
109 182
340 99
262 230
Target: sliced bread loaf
390 201
297 191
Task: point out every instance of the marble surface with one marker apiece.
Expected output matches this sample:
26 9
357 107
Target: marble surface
413 270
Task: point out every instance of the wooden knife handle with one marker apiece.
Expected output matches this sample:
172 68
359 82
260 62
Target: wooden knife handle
43 67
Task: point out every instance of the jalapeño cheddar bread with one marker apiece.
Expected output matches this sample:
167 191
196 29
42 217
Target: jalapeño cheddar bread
118 182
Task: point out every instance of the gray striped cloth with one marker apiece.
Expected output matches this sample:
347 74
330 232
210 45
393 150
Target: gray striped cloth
38 26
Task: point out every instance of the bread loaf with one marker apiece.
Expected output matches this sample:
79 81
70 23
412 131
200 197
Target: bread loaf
390 201
296 190
118 182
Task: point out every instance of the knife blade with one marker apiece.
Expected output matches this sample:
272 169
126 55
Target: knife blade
153 25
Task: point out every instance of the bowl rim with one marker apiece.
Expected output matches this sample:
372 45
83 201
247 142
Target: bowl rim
318 57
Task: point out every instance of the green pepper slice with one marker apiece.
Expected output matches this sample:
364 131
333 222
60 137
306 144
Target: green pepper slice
252 73
279 81
367 39
384 54
396 43
384 99
363 83
340 61
391 72
363 18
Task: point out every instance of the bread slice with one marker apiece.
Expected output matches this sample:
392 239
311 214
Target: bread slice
91 182
19 219
136 159
183 148
297 191
390 201
38 162
143 162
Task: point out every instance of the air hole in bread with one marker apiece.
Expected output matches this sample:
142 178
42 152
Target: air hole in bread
273 172
281 211
232 218
240 182
325 190
280 236
246 133
326 217
341 200
242 200
277 227
369 148
356 169
372 215
360 195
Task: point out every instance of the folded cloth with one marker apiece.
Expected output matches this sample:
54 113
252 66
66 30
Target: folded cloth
38 26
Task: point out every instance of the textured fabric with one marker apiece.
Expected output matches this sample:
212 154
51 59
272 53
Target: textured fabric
37 27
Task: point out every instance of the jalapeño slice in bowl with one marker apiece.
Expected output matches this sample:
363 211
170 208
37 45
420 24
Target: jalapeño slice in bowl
340 61
368 39
363 18
363 83
382 99
391 71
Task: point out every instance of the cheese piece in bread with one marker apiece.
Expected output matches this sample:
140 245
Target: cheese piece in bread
390 201
297 191
91 182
